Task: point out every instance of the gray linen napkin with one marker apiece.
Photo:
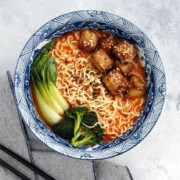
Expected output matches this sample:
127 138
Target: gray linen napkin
105 170
56 165
10 131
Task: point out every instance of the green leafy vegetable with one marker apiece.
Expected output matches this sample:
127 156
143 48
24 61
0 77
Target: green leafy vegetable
99 132
77 114
84 136
50 115
65 129
89 119
43 78
80 126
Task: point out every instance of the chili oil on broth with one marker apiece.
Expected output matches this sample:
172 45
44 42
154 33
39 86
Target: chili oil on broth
80 84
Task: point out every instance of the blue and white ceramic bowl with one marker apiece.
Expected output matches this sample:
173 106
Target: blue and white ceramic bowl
121 28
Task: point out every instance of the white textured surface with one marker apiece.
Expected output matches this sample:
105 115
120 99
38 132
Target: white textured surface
157 157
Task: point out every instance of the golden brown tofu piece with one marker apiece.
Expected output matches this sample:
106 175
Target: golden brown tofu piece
116 83
137 82
107 42
125 68
125 51
135 93
88 40
101 61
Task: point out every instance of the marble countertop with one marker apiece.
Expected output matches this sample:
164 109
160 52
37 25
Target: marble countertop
157 156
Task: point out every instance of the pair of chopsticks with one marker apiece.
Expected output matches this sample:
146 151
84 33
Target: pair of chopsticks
23 161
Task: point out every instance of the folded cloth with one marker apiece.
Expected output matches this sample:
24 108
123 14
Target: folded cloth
10 131
62 167
105 170
53 163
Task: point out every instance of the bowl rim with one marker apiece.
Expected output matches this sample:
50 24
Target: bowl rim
49 144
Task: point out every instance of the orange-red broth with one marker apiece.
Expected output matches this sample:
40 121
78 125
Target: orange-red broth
138 69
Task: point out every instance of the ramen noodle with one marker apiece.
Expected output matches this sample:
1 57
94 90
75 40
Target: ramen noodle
82 82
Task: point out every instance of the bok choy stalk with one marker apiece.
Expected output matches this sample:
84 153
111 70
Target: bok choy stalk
43 77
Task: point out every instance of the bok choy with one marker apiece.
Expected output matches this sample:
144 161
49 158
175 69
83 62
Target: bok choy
43 77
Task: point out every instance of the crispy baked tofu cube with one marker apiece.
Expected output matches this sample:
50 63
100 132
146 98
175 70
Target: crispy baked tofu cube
136 93
107 42
101 61
125 51
88 40
116 83
137 82
125 68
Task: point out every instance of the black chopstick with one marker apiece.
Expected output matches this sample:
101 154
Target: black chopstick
19 174
26 163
